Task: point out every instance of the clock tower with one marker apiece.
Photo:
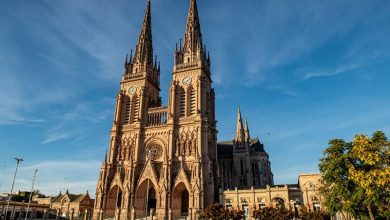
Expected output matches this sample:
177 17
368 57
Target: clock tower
162 160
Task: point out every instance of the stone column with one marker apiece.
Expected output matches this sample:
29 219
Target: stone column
58 213
189 214
151 215
170 214
86 214
101 214
132 213
71 214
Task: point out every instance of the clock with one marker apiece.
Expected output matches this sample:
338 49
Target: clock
132 90
187 80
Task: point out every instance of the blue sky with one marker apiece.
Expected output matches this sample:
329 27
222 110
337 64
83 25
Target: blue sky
303 72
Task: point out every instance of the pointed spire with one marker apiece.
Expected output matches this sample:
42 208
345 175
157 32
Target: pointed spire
105 157
240 131
193 36
144 50
247 135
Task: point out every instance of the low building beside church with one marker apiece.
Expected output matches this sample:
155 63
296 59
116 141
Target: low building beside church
73 206
290 196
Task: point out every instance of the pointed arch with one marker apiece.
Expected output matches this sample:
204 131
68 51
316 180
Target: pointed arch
136 107
182 102
181 195
146 197
192 100
126 110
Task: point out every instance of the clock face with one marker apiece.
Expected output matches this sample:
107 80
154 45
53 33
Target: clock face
132 90
187 80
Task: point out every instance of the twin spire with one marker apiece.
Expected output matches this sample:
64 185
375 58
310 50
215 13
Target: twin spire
192 52
242 134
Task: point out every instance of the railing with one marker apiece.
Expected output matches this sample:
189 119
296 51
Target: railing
157 116
186 65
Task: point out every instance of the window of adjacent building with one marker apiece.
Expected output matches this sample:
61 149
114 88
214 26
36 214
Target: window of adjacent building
317 207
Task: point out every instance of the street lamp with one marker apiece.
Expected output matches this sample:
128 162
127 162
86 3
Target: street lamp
296 207
31 192
18 160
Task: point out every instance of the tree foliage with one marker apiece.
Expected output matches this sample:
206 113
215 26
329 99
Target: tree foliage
219 212
270 213
356 176
305 214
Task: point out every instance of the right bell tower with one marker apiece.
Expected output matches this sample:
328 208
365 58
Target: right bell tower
192 111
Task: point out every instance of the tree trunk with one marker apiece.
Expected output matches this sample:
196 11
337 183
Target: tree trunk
370 212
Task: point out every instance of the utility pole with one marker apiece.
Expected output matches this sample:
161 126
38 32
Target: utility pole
31 192
18 160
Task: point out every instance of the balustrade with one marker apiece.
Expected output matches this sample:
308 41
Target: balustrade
157 116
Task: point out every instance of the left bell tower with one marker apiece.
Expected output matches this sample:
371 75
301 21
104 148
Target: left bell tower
139 91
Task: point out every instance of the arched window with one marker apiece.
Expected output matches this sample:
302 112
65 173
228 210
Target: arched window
193 102
136 108
127 112
182 103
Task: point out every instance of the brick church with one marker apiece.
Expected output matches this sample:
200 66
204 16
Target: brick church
164 161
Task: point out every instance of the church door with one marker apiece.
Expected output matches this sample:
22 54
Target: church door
184 203
152 201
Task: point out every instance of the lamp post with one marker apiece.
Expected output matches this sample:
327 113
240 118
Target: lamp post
117 191
31 192
296 208
18 160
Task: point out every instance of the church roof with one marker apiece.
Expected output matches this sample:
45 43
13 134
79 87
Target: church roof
72 197
225 148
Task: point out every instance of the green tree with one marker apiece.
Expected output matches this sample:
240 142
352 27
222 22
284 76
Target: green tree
356 176
371 172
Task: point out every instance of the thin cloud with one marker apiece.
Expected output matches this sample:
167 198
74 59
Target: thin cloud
340 70
55 138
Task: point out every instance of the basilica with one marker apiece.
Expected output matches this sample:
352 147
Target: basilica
164 160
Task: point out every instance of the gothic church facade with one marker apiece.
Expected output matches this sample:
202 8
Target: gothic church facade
162 158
